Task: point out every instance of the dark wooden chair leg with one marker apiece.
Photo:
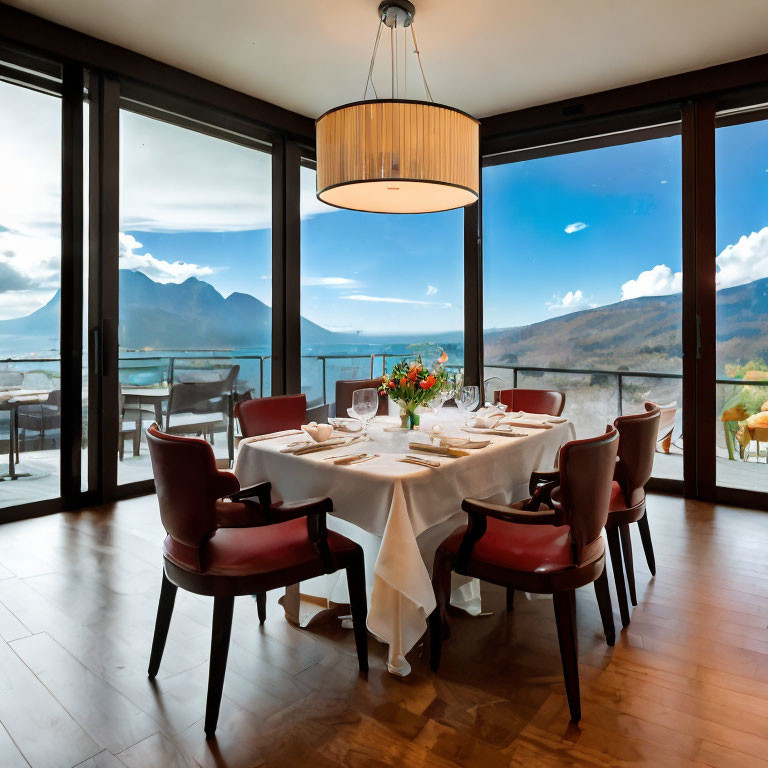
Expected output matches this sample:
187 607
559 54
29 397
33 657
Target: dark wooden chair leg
645 537
162 623
358 603
435 639
222 627
261 606
629 565
438 619
603 595
565 617
618 573
510 599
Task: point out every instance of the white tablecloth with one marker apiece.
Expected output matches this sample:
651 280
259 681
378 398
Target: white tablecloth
399 512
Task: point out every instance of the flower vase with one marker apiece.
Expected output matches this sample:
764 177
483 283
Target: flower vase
409 419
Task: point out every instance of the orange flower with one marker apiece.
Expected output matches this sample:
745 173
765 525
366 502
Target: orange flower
413 374
403 381
391 384
428 382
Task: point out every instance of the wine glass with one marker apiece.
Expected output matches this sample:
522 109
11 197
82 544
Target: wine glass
365 403
467 400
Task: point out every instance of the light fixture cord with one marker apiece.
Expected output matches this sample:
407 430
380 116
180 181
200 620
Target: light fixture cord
418 56
369 79
392 63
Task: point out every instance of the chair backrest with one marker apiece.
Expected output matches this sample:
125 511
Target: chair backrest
586 480
546 401
668 414
196 395
263 415
188 485
637 446
344 390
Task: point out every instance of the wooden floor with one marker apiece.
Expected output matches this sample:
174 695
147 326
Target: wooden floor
686 684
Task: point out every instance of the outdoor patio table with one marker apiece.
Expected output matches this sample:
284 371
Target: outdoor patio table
154 396
10 400
399 512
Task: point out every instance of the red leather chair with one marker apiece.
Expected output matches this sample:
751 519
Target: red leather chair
345 388
263 415
537 547
532 400
637 446
281 545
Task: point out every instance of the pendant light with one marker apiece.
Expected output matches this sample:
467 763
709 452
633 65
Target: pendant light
397 155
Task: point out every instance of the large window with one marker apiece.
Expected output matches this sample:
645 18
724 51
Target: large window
195 287
30 280
742 305
376 288
583 273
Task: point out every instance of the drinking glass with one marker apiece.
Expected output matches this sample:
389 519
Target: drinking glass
365 403
467 400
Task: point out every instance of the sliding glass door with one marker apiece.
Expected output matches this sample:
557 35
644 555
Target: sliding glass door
195 318
30 295
583 277
742 302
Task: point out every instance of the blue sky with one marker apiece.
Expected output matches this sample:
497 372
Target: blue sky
561 233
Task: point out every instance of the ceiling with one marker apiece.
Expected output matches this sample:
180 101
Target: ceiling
484 56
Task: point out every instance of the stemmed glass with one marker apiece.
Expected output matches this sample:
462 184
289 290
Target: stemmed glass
467 400
442 397
365 403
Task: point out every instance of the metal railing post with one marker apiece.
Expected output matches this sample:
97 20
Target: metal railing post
261 377
325 392
171 366
619 382
514 378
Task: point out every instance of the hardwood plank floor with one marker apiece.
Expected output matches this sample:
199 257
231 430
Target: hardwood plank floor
685 685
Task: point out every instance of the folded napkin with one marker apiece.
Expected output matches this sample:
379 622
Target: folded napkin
270 436
535 423
542 417
318 432
488 410
487 420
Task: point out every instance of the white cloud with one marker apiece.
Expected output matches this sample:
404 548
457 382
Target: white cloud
388 300
22 303
570 302
158 270
744 261
663 181
739 263
431 290
577 226
328 281
659 281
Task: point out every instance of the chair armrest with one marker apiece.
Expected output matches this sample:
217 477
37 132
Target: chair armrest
260 491
479 512
475 508
224 484
539 476
315 510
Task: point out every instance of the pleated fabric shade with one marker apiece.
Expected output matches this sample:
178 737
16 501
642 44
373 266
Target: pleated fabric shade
397 156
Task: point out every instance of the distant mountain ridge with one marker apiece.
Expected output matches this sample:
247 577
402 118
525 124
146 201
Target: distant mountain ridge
188 315
641 334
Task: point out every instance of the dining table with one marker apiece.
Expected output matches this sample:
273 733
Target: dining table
400 512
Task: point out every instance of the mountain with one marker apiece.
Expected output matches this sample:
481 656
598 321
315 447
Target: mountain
188 315
641 334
